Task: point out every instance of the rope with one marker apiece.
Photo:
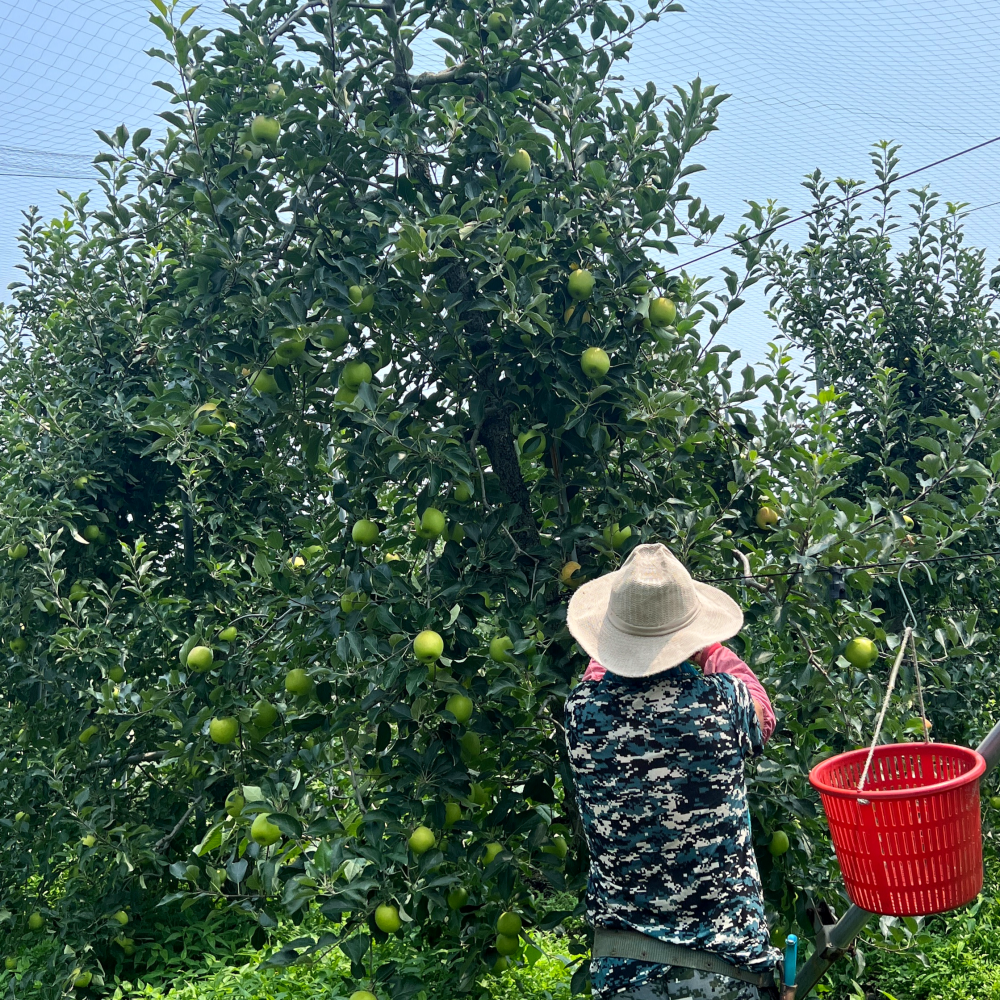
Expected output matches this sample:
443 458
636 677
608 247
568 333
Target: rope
885 706
912 619
908 639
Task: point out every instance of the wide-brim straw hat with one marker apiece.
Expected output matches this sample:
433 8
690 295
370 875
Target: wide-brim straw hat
650 615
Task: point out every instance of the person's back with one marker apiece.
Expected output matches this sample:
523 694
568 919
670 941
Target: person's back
658 764
657 748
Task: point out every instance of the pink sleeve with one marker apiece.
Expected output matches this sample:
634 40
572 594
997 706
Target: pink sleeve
594 672
718 659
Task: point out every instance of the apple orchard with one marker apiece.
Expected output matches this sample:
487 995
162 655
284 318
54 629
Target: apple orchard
319 407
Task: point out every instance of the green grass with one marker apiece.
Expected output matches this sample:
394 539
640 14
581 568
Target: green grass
950 957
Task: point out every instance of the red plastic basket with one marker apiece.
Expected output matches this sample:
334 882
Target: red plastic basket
911 842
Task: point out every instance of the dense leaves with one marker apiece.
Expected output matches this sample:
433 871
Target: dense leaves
298 395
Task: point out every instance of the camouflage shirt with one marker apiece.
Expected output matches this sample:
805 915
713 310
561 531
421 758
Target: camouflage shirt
658 764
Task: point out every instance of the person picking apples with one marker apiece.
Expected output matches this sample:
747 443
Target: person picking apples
657 748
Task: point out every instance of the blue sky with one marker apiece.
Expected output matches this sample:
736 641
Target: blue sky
813 85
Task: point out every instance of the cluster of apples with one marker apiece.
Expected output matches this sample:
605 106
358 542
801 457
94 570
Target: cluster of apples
580 285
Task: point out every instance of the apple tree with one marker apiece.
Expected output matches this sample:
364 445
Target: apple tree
313 422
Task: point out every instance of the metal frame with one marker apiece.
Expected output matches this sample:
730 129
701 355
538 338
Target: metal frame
834 940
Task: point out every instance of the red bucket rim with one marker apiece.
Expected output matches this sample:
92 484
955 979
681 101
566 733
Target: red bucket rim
886 749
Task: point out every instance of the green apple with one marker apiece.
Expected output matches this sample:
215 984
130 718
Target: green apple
452 813
387 918
88 840
457 898
290 350
861 652
365 532
499 645
224 730
620 537
313 551
10 964
235 803
355 293
428 646
432 523
264 130
463 493
662 312
191 873
263 383
499 23
471 746
228 634
460 706
121 917
298 682
520 162
333 336
581 284
263 831
509 923
766 518
779 843
264 714
80 482
19 644
558 847
478 794
600 235
352 601
507 945
116 674
92 532
18 551
83 980
355 373
531 443
200 659
422 840
36 921
492 850
595 363
20 817
363 995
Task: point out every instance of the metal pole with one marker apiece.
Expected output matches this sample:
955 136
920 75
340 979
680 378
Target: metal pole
990 748
833 940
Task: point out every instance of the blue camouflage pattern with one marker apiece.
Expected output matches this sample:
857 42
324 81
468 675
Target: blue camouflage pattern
659 770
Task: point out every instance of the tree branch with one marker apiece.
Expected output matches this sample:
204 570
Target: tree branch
457 74
167 839
294 16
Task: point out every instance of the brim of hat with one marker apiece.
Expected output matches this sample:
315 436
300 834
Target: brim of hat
718 618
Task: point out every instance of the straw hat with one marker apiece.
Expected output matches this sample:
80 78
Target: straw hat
650 615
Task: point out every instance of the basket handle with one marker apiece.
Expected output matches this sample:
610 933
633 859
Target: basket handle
885 704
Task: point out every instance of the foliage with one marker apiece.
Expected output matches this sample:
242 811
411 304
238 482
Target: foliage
253 344
955 961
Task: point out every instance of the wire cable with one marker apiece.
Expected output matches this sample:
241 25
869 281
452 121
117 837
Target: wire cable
835 204
892 564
